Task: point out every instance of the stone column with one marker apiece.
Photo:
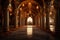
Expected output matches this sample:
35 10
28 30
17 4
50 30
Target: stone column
35 21
43 20
44 17
47 19
7 20
16 16
24 21
20 20
40 21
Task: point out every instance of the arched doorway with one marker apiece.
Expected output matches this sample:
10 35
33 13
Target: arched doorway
29 20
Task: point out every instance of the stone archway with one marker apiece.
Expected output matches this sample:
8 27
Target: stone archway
27 9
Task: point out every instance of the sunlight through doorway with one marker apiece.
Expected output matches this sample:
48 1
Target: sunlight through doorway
29 20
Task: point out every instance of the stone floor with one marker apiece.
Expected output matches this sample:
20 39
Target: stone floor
21 34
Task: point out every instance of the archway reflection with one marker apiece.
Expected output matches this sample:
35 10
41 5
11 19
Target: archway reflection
29 30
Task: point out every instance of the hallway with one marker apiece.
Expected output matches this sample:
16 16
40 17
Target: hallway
28 32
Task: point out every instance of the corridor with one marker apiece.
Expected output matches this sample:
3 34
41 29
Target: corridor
28 19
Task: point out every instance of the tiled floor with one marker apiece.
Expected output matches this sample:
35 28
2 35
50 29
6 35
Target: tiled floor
22 34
